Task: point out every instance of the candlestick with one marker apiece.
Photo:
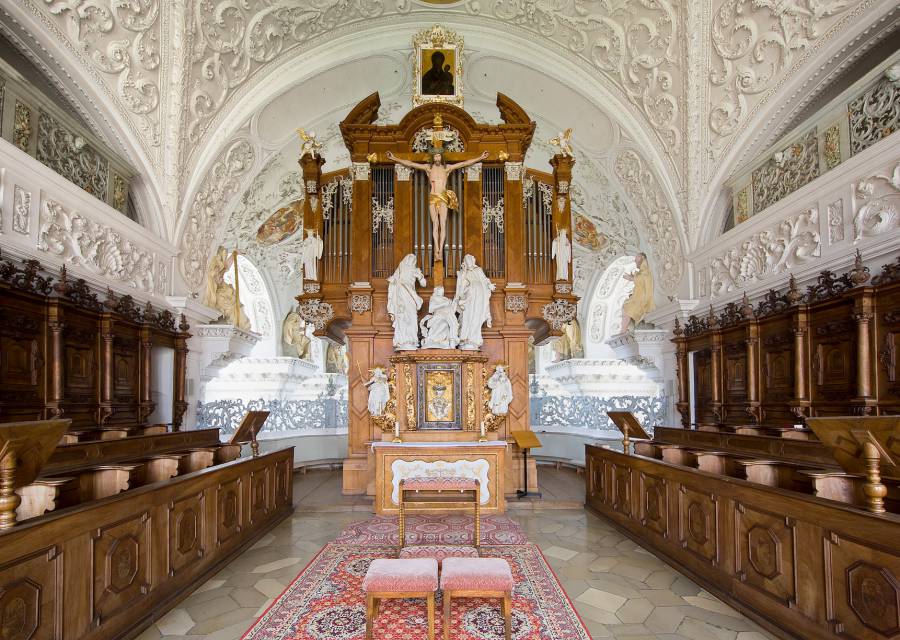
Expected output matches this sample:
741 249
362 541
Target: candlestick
483 437
397 431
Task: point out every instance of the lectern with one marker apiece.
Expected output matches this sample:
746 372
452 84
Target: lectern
526 440
250 426
628 424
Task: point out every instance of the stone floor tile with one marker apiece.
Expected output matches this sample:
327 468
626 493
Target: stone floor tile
602 600
150 633
277 564
661 579
711 604
246 597
560 553
664 619
685 587
236 617
700 630
270 588
175 623
635 611
211 609
629 570
662 597
630 630
213 583
603 564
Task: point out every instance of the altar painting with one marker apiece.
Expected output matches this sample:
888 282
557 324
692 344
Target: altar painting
439 395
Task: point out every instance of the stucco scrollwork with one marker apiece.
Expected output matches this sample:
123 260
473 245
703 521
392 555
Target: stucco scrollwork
786 171
659 221
788 244
121 40
222 183
878 198
558 313
77 239
316 312
754 44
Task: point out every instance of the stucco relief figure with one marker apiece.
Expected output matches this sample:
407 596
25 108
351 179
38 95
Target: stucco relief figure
309 146
310 253
440 328
640 302
379 392
293 333
404 302
568 345
473 300
220 295
441 199
501 391
561 251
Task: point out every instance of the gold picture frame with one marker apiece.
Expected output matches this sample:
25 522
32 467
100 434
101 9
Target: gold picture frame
438 72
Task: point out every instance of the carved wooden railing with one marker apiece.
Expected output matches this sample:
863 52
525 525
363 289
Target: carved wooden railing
36 125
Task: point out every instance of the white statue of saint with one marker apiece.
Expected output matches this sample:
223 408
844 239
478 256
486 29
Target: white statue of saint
403 303
379 392
561 250
473 300
501 391
294 334
440 328
311 251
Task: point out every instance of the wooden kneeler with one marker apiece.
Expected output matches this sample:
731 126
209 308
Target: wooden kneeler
477 578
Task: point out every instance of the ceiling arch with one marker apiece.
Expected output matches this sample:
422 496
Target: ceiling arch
561 81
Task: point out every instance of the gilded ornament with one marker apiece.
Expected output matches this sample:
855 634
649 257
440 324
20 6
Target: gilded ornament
491 422
388 417
410 397
22 129
470 397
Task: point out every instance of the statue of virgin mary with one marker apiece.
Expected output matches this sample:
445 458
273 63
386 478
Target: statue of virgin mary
473 300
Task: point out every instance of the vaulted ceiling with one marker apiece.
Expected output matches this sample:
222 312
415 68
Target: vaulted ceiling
667 97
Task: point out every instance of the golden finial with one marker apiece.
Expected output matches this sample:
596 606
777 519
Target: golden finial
503 156
372 157
438 120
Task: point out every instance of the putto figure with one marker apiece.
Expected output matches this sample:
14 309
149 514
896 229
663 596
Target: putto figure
309 146
441 199
404 302
473 299
563 141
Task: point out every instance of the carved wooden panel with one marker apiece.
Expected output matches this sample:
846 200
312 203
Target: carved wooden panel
888 345
621 488
31 597
595 477
832 360
703 386
654 504
283 477
698 524
776 379
260 495
765 553
121 564
22 360
186 532
228 510
862 588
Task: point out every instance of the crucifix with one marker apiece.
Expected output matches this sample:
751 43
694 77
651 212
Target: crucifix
441 199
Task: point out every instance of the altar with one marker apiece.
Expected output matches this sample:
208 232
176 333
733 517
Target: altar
395 461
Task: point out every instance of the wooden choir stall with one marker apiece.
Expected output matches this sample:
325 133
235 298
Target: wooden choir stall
781 492
107 520
374 224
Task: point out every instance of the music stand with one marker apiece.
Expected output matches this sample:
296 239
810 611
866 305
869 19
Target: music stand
25 448
628 424
863 445
526 440
250 426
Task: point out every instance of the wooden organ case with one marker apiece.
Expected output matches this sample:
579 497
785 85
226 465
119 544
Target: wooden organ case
372 215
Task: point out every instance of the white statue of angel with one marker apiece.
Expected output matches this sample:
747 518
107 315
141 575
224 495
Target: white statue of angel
563 141
501 391
379 392
308 143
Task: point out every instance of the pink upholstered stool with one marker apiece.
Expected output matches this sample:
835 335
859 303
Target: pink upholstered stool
477 578
400 578
438 551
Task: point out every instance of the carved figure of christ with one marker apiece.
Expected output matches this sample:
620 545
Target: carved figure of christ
441 199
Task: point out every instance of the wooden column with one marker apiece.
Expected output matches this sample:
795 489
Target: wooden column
403 224
562 215
802 363
715 368
863 314
107 368
145 358
55 355
472 230
682 372
753 405
179 404
311 170
514 223
361 222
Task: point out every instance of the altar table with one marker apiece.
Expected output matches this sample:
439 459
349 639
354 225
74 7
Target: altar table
397 460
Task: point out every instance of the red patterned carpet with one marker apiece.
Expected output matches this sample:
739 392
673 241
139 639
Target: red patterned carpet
433 529
326 602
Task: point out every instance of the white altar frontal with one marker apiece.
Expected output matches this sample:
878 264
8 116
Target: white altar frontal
395 461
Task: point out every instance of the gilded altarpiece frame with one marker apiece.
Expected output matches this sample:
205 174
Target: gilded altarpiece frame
439 396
